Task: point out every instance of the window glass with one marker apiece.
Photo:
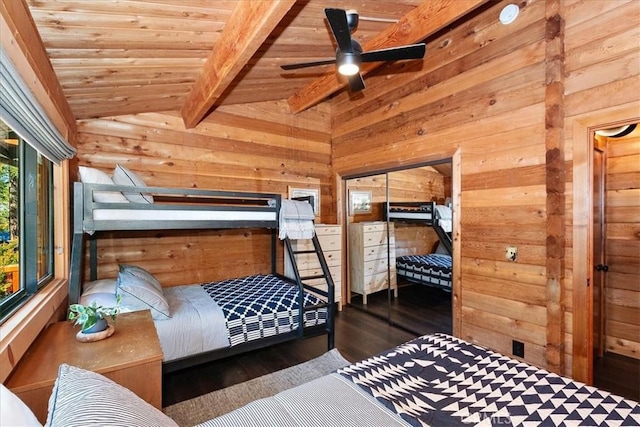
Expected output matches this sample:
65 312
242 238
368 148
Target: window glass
44 226
9 214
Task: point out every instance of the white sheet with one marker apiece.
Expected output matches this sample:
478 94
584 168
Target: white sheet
197 323
182 215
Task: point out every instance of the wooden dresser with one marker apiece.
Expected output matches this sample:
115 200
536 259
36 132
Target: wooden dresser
369 258
132 357
330 238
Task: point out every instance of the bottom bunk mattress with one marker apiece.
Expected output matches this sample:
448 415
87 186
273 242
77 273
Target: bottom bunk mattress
438 380
431 269
215 315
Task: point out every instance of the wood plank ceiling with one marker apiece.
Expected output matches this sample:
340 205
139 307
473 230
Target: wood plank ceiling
116 57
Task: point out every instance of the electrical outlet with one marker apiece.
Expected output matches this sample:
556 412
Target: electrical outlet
511 253
517 348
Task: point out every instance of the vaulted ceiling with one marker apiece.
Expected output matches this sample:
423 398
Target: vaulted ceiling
115 57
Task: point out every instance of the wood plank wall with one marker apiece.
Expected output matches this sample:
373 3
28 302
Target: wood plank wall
622 231
254 147
480 92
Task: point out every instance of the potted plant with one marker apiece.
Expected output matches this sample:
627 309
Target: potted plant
92 318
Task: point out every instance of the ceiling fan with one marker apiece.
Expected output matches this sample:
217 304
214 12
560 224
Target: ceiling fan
349 54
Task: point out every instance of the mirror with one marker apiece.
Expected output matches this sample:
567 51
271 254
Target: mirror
387 275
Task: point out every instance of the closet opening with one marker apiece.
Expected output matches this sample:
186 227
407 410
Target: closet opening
399 268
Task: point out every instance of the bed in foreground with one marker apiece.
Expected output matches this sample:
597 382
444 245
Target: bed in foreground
434 380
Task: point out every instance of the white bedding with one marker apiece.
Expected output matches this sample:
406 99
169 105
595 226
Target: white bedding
445 216
182 215
410 215
197 323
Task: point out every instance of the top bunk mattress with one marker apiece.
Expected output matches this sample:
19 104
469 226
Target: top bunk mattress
100 207
124 214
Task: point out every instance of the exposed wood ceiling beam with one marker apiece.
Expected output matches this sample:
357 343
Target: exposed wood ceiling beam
22 43
248 27
414 27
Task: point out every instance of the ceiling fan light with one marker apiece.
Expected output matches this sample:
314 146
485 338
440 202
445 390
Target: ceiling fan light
348 69
348 64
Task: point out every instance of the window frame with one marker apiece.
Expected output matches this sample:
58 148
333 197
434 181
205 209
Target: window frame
30 283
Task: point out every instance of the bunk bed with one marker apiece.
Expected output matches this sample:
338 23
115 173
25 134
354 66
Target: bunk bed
254 311
433 269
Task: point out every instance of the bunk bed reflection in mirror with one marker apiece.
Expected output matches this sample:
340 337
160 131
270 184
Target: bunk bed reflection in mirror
359 202
432 269
200 322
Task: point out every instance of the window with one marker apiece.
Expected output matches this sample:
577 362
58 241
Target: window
26 222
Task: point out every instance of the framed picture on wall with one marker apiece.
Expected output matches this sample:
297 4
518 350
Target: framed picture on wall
360 202
303 192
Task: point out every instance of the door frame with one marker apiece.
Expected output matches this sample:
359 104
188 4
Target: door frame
583 132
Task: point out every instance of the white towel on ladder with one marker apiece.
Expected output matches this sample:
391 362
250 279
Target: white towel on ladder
296 220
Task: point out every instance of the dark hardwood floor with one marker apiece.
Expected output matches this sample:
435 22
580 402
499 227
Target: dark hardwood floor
358 336
418 308
362 332
618 374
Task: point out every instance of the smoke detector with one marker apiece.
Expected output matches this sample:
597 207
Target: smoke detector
509 14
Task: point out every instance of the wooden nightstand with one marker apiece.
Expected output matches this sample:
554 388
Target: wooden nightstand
132 357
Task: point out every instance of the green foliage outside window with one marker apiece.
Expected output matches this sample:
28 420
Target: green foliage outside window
9 254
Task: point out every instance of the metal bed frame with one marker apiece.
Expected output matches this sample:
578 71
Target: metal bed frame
424 213
265 206
419 213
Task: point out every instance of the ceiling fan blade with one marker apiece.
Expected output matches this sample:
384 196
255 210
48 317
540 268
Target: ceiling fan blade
308 64
338 21
356 83
412 51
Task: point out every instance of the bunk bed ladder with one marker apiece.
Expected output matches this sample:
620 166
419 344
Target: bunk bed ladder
326 275
444 237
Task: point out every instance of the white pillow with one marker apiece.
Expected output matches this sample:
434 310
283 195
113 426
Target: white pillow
95 176
101 299
100 286
13 411
124 176
141 273
138 294
85 398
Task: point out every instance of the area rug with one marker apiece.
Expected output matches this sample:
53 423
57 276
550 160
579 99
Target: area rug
199 409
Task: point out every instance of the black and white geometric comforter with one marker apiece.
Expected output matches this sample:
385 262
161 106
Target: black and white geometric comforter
261 306
439 380
431 269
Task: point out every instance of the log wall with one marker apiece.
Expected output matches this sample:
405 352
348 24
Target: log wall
256 148
482 92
